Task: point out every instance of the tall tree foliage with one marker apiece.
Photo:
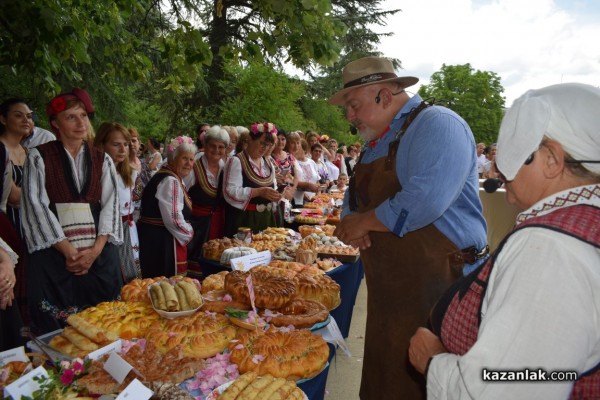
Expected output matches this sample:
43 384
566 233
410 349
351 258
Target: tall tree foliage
475 95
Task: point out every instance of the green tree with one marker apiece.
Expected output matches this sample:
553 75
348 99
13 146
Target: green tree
475 95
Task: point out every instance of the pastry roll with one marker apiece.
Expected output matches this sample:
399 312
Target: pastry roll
171 300
191 293
79 340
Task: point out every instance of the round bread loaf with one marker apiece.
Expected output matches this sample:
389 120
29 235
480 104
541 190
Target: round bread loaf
269 291
214 282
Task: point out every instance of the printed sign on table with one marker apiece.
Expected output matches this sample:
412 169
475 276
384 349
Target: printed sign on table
245 263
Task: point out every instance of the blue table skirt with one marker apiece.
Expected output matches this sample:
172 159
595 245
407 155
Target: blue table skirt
348 276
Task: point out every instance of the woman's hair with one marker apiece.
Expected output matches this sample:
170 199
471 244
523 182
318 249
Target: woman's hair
181 144
231 131
133 132
218 133
5 108
242 129
316 146
304 145
311 134
293 136
243 139
155 143
102 136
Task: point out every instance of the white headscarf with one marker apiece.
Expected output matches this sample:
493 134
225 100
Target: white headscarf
568 113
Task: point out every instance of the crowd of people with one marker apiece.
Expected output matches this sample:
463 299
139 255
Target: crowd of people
83 212
89 210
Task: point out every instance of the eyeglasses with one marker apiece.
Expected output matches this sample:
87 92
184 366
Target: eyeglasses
264 145
529 159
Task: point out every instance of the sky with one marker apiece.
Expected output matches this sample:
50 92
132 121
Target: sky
529 44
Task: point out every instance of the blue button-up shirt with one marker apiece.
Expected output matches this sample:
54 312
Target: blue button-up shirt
436 165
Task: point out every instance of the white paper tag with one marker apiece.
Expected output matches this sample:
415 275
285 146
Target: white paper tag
114 347
135 391
332 334
25 385
16 354
246 263
117 367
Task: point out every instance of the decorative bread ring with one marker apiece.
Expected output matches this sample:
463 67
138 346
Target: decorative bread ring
269 291
321 288
300 313
213 302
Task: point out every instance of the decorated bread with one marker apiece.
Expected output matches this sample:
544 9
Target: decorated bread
292 355
235 252
127 319
321 288
214 282
201 335
217 301
213 249
269 291
300 313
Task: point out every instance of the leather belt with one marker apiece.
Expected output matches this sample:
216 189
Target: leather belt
469 255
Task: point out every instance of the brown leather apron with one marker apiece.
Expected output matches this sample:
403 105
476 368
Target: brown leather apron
405 276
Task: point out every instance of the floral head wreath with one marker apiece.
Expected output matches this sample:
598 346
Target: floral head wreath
59 103
178 141
257 129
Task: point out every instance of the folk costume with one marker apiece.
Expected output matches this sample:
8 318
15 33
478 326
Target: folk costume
163 228
549 266
421 178
129 251
208 208
75 199
241 176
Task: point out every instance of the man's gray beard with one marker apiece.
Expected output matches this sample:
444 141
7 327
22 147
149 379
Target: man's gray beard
367 134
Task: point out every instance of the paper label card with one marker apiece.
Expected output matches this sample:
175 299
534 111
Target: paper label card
117 367
25 385
114 347
16 354
135 391
246 263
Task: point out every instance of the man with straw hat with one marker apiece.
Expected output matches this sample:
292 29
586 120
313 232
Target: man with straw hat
413 208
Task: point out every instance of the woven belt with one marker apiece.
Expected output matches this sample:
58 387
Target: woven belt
259 207
470 255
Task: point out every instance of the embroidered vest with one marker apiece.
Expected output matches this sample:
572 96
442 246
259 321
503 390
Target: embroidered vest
60 184
150 211
203 193
457 316
252 179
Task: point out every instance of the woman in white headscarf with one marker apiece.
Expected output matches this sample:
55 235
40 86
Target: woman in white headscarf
534 306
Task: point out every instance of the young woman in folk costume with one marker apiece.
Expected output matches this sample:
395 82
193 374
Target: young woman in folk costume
114 139
70 218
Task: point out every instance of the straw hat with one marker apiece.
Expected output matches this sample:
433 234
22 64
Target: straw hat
368 71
